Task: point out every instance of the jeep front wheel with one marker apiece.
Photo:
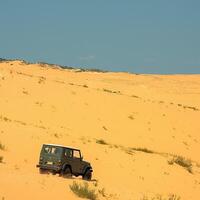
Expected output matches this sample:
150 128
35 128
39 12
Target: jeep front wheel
88 175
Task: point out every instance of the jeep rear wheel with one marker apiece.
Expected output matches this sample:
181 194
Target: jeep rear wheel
88 175
66 173
43 171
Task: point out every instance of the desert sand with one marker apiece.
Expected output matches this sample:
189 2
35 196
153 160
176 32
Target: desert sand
145 121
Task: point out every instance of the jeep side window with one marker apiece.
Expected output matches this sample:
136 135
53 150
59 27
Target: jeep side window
68 153
76 154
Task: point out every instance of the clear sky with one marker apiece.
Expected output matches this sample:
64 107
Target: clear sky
141 36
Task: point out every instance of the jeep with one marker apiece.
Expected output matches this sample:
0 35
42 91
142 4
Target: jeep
63 160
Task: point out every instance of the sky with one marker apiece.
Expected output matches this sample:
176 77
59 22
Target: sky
139 36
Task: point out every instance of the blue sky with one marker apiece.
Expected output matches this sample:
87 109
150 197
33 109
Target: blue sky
141 36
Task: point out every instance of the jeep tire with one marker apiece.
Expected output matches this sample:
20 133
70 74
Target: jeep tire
88 175
66 173
43 171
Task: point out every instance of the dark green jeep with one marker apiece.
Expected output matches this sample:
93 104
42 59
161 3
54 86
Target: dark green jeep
63 160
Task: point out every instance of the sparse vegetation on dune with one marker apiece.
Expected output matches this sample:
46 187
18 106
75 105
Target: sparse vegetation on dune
101 141
111 91
161 197
2 147
183 162
6 119
85 86
1 159
142 149
83 190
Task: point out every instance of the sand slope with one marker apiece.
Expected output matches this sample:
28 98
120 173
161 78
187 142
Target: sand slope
40 104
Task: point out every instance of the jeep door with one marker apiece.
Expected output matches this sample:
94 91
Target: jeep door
77 162
72 157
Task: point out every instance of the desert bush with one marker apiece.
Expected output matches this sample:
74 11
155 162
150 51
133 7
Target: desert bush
2 147
83 191
131 117
135 96
104 128
142 149
183 162
110 91
101 141
1 159
5 119
25 92
41 80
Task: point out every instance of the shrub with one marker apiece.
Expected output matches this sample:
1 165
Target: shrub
143 150
135 96
2 147
183 162
131 117
85 86
1 159
110 91
101 141
83 191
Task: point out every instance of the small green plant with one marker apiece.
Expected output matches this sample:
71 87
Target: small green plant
101 141
183 162
83 191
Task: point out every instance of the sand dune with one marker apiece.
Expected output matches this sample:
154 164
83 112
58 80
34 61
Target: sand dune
146 121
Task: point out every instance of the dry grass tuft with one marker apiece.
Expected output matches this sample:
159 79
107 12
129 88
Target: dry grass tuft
2 147
183 162
101 141
83 191
145 150
1 159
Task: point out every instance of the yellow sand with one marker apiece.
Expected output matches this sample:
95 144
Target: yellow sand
43 104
